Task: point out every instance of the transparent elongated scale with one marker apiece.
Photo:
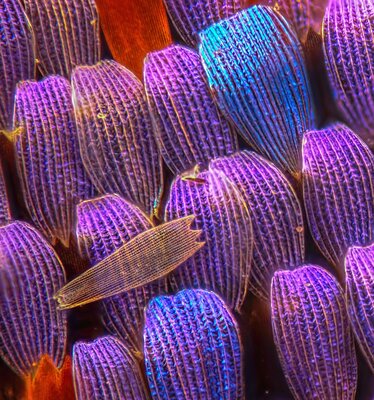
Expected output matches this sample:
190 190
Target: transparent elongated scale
189 128
223 264
338 186
312 334
106 369
67 34
5 214
117 144
192 348
16 53
256 70
276 215
359 275
49 165
348 41
30 324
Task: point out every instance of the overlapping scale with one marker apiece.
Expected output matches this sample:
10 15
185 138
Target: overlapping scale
16 53
348 38
30 325
117 144
192 16
192 348
189 127
104 225
256 70
223 264
312 334
106 369
276 216
49 165
5 215
67 34
338 186
359 271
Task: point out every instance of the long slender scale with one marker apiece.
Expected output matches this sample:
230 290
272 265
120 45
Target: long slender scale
256 71
30 324
359 273
192 348
16 55
104 225
106 369
276 215
192 16
312 334
338 186
348 41
49 165
147 257
117 144
189 128
5 215
67 34
223 264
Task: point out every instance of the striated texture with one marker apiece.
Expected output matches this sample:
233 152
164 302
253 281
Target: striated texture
192 348
223 264
5 215
30 325
359 271
348 38
312 334
338 185
192 16
48 160
16 54
117 144
189 127
67 34
106 369
104 225
256 70
276 215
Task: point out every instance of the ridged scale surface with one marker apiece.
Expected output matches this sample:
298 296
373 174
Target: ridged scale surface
312 334
30 274
192 348
5 215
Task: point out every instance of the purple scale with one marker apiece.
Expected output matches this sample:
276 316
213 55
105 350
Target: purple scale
192 16
312 334
338 185
348 40
105 224
359 272
276 215
192 348
30 324
5 215
223 264
106 369
117 142
189 128
49 165
67 34
256 71
16 54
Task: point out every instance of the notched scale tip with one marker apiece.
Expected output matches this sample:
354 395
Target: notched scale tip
188 125
276 215
67 33
146 258
348 41
106 369
117 143
192 348
359 272
312 334
338 186
30 325
256 70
